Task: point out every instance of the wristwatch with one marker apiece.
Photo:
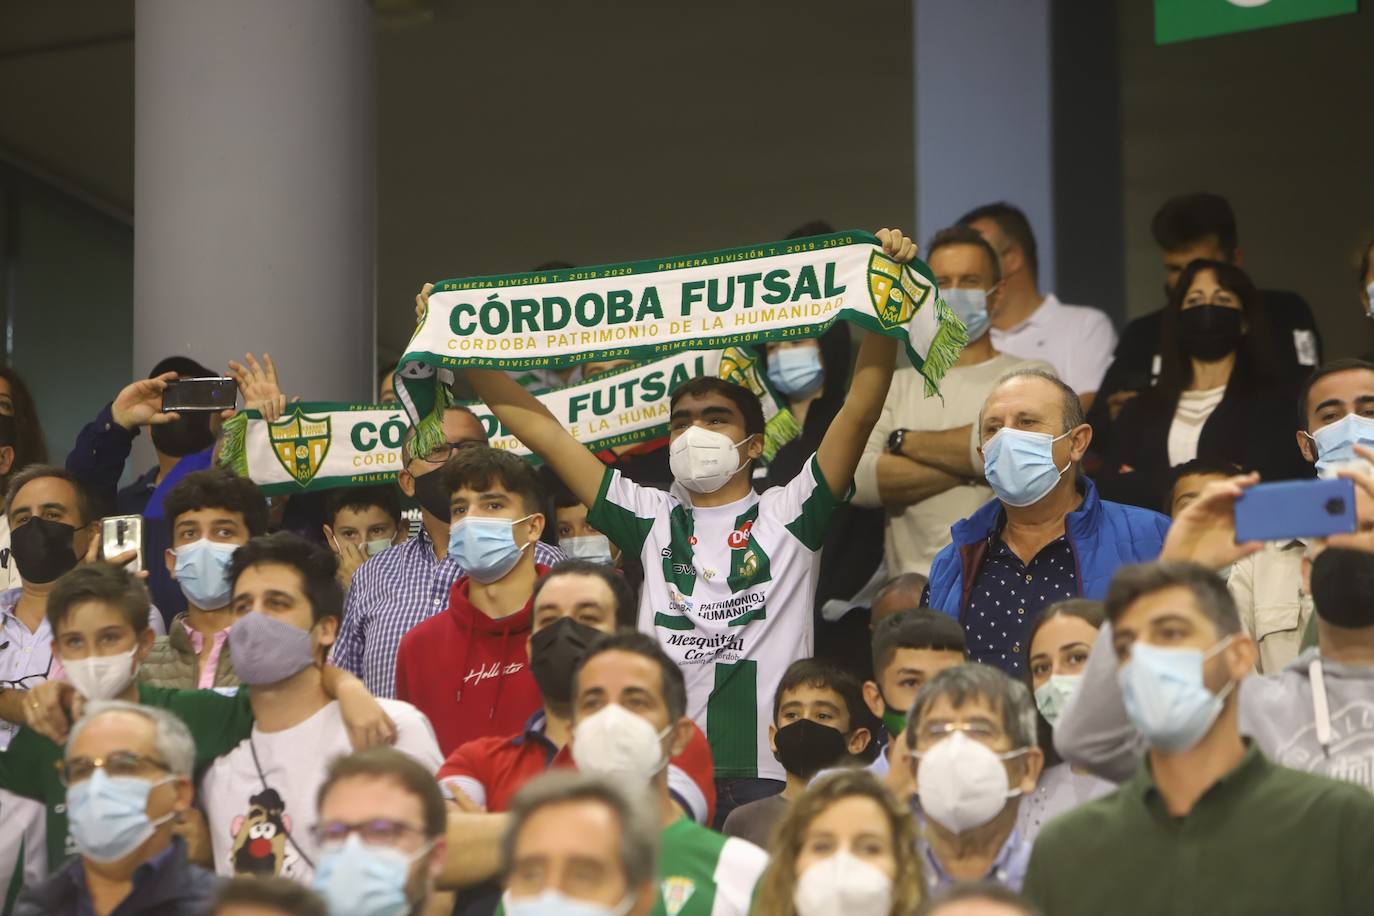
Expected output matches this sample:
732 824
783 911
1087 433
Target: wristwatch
895 440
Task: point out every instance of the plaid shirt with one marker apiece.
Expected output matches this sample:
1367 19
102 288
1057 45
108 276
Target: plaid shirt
391 593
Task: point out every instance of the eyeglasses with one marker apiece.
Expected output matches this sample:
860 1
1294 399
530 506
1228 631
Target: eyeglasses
377 832
444 450
979 730
27 682
120 763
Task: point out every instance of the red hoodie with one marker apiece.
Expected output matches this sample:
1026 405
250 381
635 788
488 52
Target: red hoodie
468 672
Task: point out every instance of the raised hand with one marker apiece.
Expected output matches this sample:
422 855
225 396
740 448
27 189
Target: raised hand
259 387
1205 530
140 403
897 246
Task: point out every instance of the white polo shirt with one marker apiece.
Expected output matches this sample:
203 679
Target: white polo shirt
1077 340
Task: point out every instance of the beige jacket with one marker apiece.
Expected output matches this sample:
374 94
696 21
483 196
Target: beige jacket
1274 607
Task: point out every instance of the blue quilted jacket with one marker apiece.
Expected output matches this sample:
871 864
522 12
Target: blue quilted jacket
1103 536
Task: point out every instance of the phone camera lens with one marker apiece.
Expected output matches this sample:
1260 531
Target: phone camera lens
1335 506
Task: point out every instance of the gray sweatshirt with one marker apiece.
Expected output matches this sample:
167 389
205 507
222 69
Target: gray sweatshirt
1314 715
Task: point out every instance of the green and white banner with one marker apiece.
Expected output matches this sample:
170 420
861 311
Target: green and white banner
645 310
316 446
629 406
322 445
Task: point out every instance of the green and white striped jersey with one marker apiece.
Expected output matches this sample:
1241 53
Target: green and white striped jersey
704 873
728 591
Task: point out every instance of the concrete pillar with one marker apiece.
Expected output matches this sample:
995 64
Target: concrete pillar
255 187
983 114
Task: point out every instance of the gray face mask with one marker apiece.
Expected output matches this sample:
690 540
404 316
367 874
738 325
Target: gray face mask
266 650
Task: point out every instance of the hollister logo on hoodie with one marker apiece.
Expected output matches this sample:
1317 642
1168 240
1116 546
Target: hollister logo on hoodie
467 672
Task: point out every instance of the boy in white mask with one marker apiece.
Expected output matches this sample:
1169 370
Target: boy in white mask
730 576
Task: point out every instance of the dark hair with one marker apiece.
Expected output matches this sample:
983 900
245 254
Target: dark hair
1321 372
815 227
634 642
384 371
921 628
34 472
1257 361
1085 609
99 582
359 498
29 444
272 892
317 567
621 593
556 489
961 234
1209 467
1185 220
1131 583
183 366
477 467
744 399
976 890
389 763
1014 226
217 489
822 675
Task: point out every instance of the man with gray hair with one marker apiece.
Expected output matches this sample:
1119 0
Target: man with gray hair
971 734
1047 536
127 770
581 842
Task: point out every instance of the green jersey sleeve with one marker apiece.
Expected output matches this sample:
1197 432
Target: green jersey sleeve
626 512
218 721
807 504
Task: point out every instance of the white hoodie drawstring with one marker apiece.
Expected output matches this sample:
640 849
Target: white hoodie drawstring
1321 712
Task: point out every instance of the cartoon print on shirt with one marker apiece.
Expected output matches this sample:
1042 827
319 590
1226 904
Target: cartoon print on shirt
260 847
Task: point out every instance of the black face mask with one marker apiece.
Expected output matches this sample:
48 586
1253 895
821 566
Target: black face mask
43 549
432 495
1209 332
806 747
1343 587
188 434
555 652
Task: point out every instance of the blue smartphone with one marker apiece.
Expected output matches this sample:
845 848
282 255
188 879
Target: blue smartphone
1295 509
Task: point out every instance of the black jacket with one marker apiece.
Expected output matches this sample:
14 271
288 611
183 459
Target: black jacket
171 887
1252 428
1133 365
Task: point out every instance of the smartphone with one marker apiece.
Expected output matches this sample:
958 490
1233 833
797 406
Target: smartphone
200 394
1295 509
121 534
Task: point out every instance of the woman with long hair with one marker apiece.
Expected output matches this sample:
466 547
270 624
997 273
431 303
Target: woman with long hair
1221 393
1059 644
20 430
844 846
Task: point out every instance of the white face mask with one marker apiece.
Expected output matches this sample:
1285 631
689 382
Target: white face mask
843 885
703 460
102 677
962 783
617 744
375 547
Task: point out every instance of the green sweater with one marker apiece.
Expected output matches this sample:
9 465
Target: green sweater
1263 840
31 765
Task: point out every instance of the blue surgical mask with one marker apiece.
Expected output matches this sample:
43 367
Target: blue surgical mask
795 370
1019 466
485 547
375 547
1052 696
595 548
555 903
971 305
1336 443
1165 696
363 879
202 571
108 815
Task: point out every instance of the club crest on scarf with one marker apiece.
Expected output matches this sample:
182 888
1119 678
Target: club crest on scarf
896 295
300 443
